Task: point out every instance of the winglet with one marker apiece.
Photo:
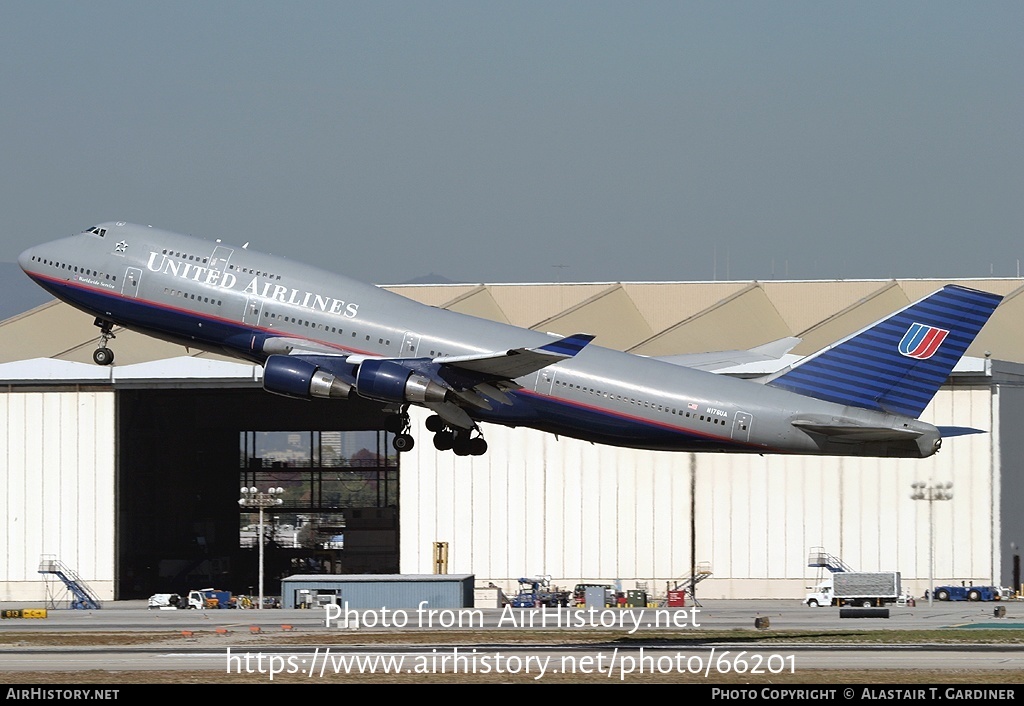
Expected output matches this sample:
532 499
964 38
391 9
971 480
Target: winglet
568 346
897 364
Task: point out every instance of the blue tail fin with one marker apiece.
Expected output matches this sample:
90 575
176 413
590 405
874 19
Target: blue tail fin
897 364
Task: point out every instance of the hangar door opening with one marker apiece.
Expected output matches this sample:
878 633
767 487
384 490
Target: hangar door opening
338 509
183 456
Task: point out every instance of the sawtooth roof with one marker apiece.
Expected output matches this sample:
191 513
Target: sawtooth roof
648 318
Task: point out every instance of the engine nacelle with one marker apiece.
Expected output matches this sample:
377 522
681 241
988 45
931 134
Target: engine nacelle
388 381
302 378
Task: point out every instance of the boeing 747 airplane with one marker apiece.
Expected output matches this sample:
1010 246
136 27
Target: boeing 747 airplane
318 334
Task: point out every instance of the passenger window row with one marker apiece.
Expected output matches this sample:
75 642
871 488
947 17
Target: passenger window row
189 295
73 268
185 256
320 327
643 403
250 271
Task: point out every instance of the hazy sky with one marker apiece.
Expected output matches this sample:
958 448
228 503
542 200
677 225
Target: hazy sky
493 141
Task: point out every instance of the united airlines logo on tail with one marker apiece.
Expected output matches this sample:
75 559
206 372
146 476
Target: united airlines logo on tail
921 341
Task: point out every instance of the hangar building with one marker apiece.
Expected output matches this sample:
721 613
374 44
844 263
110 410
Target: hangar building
130 475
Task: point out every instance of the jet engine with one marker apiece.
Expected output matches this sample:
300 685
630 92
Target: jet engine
388 381
306 377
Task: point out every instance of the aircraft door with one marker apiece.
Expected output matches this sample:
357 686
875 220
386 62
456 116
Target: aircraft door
741 423
130 286
219 258
545 381
410 345
253 309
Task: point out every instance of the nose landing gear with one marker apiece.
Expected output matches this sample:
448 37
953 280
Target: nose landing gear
104 355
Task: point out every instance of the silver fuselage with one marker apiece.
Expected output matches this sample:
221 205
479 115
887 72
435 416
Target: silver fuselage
231 300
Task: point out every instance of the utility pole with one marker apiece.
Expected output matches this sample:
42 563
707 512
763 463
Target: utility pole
931 493
251 497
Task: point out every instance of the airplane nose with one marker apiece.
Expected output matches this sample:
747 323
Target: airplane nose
25 259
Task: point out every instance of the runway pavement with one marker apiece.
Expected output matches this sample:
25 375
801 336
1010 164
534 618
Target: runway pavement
736 639
710 615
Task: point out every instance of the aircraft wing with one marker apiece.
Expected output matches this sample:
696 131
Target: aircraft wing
444 385
476 380
719 360
516 362
493 366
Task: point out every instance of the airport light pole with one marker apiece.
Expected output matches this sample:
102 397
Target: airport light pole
931 493
251 497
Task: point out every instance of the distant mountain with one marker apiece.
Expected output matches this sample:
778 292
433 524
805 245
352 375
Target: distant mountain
18 293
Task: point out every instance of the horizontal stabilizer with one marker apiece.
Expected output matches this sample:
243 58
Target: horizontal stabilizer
717 360
898 364
959 431
852 431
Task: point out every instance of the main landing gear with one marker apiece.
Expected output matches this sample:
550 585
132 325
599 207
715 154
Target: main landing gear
103 355
463 442
460 441
398 424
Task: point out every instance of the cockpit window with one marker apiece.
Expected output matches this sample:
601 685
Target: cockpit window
96 230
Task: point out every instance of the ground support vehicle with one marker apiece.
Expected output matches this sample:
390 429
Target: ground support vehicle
210 598
165 600
968 593
856 588
537 592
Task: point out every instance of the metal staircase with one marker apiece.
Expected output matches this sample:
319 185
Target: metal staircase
818 558
701 571
83 597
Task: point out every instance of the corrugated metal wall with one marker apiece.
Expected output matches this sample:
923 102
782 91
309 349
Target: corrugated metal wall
539 505
57 476
578 512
